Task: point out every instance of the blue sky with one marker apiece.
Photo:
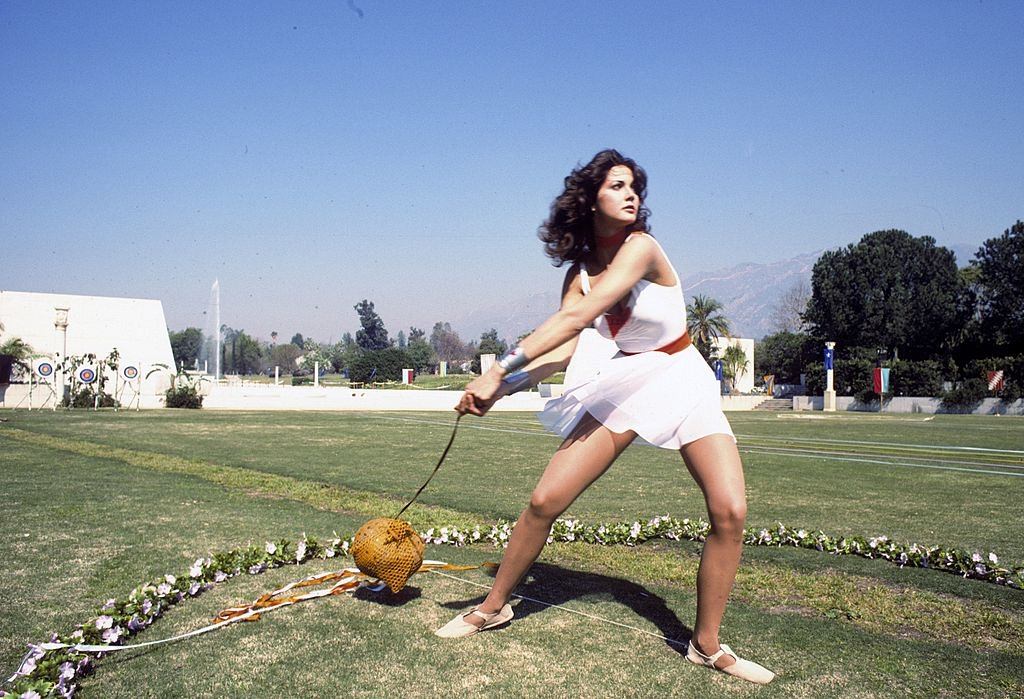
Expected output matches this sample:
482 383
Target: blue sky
314 154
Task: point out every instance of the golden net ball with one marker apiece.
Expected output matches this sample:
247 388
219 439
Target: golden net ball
388 549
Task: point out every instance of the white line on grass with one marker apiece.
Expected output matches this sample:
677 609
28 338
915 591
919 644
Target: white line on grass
779 451
939 447
775 451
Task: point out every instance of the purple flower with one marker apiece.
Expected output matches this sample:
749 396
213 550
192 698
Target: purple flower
147 605
220 576
257 569
135 624
109 604
31 694
104 622
67 671
112 635
193 589
162 589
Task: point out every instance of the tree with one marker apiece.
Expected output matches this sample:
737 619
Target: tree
298 340
446 343
284 356
1000 285
734 364
247 355
401 339
705 323
419 351
489 344
783 354
186 346
273 337
889 291
787 315
373 335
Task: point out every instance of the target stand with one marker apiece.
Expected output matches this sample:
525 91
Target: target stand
131 375
41 379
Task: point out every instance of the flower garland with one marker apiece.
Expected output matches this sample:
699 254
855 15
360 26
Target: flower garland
952 560
56 673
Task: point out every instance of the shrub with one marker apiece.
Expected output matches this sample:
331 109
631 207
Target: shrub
388 363
966 395
301 380
184 396
86 398
916 378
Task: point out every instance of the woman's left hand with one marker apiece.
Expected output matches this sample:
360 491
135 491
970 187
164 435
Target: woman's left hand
481 393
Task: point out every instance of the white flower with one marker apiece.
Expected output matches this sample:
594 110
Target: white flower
994 559
634 531
112 635
197 568
802 534
162 589
67 671
220 576
329 552
31 694
271 548
170 579
300 551
104 622
976 557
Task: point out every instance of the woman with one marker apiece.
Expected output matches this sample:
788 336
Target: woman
657 386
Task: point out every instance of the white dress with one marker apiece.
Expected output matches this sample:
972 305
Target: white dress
669 400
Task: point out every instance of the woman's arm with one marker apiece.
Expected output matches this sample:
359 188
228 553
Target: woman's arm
554 341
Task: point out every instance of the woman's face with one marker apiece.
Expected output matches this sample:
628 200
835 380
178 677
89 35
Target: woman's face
617 203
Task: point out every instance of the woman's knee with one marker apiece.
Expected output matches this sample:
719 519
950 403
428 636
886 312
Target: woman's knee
729 515
545 505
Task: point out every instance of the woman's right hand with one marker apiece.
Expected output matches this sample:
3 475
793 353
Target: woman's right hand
481 393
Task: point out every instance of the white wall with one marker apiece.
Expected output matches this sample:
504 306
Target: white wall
744 383
96 324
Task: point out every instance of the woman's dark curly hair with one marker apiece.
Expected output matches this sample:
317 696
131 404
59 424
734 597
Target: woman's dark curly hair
568 234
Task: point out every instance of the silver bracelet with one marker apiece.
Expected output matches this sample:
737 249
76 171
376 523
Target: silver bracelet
515 359
517 381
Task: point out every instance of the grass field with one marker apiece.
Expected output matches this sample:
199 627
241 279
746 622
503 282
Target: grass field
97 503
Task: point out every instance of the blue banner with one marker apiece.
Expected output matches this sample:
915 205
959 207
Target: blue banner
828 358
718 369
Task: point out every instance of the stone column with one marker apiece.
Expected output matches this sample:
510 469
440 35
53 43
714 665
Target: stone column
60 323
830 392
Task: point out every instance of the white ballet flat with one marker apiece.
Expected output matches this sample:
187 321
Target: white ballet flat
744 669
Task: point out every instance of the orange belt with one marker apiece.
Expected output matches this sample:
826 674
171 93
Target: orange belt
677 345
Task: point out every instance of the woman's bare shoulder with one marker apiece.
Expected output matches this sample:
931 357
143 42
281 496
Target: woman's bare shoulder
571 285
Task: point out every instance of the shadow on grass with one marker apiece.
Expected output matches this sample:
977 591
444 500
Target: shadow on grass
556 585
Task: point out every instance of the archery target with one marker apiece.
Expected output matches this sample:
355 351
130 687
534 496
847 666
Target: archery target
44 369
86 374
130 372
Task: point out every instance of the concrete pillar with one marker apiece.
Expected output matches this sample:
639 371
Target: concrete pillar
443 371
830 391
486 362
316 374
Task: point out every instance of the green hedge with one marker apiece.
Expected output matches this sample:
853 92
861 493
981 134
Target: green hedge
388 362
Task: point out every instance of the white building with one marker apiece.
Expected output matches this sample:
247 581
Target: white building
95 325
744 377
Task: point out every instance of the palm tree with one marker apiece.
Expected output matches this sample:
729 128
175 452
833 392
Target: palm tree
734 364
706 323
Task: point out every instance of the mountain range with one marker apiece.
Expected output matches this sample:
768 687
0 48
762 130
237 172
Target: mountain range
749 293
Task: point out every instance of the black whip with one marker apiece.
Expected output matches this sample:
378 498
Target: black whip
440 461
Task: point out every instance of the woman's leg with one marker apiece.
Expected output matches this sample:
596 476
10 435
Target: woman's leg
583 457
714 462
